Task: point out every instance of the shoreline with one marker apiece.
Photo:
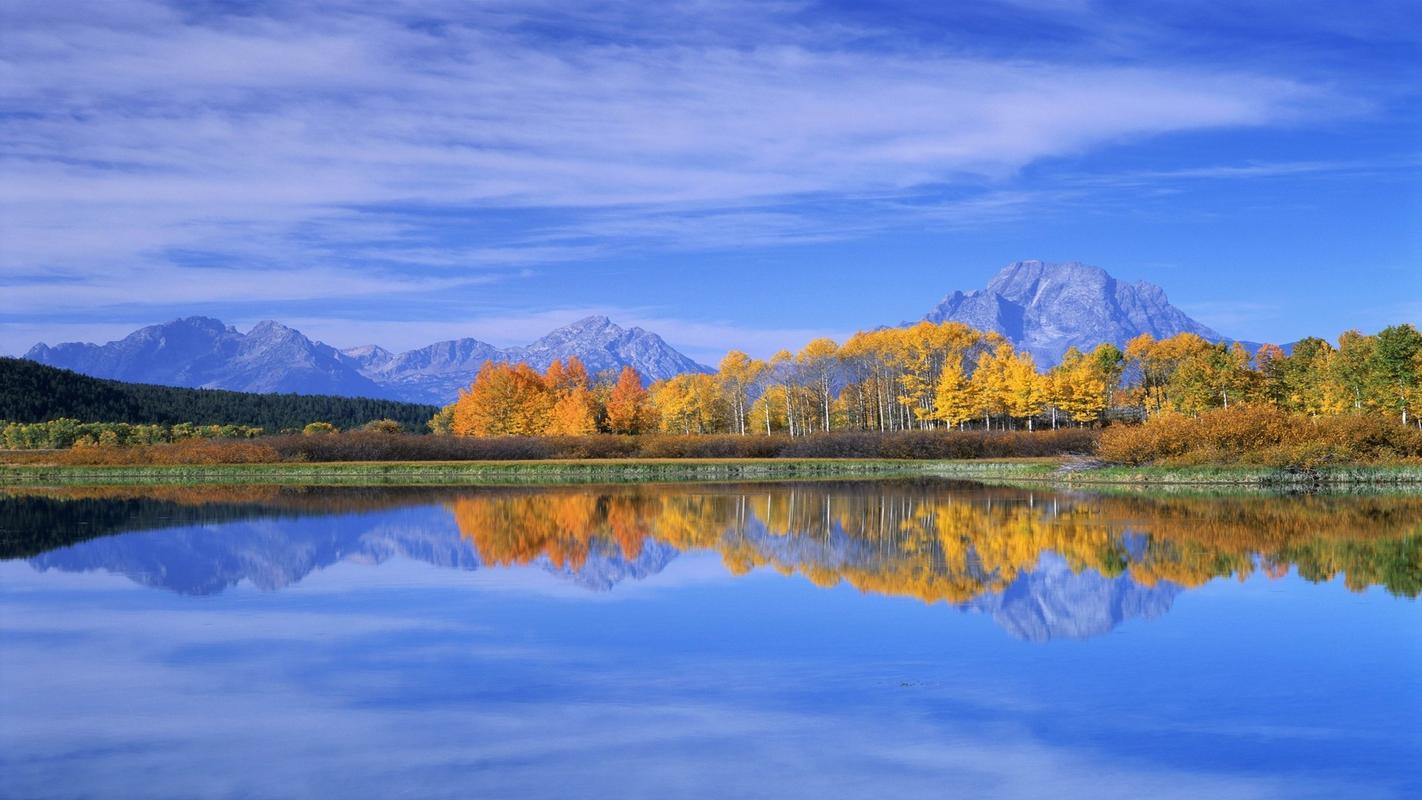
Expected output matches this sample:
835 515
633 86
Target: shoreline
1051 471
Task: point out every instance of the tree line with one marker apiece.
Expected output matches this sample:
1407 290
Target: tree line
65 432
34 393
948 375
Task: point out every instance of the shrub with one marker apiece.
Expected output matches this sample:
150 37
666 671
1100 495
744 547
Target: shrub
365 446
187 451
1260 435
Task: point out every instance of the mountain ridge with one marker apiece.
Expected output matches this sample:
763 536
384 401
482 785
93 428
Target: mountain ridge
205 353
1047 307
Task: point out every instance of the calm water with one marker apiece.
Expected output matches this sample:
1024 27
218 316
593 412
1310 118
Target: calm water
876 639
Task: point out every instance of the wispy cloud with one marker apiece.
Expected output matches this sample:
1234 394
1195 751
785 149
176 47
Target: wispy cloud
137 130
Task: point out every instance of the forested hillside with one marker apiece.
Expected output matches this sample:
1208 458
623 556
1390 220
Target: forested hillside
31 392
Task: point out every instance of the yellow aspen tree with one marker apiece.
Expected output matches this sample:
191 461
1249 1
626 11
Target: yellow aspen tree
781 368
1061 383
738 374
768 410
1024 391
674 403
816 364
690 403
987 385
953 400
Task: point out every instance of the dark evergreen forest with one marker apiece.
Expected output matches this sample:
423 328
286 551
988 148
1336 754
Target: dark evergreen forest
32 392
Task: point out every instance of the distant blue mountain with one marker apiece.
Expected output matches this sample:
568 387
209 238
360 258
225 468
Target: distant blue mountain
436 373
1045 308
201 352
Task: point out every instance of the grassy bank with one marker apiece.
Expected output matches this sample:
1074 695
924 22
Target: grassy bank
1238 475
501 472
1053 471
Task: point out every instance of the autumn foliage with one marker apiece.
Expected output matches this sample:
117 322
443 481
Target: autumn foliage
1262 435
929 376
516 400
187 451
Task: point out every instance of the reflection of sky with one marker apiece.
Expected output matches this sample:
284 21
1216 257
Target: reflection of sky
411 680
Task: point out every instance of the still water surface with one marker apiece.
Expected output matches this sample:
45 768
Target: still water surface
872 639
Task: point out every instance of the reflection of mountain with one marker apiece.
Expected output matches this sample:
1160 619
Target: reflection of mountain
277 552
1044 565
607 566
1053 602
271 553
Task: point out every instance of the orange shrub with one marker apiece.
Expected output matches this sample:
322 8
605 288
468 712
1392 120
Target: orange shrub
1260 435
187 451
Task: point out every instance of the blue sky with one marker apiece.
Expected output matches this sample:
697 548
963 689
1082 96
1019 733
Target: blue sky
744 174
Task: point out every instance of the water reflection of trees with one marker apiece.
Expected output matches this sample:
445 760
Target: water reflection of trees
953 544
935 541
34 520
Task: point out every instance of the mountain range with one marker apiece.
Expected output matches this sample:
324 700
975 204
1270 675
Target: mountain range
1041 307
202 352
437 372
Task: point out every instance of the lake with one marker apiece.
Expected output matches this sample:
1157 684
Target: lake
894 638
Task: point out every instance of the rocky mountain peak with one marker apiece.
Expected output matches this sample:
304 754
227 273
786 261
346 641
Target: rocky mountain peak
368 356
1047 307
271 329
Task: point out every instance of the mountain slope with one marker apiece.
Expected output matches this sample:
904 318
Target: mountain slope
434 373
1045 308
437 372
200 352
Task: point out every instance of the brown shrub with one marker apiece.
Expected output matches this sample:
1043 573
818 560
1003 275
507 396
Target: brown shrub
367 446
187 451
1260 435
360 446
371 446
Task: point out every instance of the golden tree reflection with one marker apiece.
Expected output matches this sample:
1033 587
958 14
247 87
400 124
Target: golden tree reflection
933 540
953 544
